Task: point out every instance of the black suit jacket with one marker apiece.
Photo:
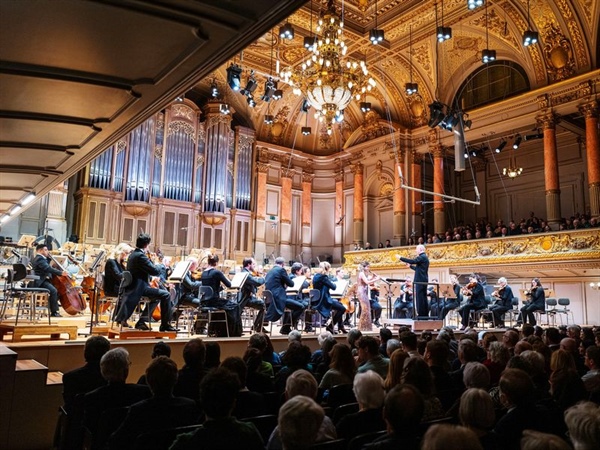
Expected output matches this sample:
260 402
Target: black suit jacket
506 297
42 268
81 381
141 268
113 274
361 422
248 289
478 296
276 281
420 265
154 414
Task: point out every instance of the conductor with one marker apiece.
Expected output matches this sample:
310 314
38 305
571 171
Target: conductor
421 266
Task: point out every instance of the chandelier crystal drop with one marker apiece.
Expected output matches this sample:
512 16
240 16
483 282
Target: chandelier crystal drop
327 78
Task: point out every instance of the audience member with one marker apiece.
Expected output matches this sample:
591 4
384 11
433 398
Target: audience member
212 356
477 413
445 436
341 369
536 440
299 420
385 334
257 380
193 370
583 422
369 357
296 357
417 373
160 349
591 379
395 369
247 403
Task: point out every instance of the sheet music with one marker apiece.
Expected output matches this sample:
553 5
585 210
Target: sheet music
340 288
447 290
238 280
179 272
297 285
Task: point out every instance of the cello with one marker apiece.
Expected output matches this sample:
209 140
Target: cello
68 295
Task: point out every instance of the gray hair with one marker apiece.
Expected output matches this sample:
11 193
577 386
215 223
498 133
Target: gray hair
392 344
368 389
114 365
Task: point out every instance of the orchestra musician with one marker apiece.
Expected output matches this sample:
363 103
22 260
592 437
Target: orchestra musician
420 265
452 303
42 268
247 295
328 306
364 280
403 306
214 278
376 308
537 302
276 281
164 267
188 294
504 297
476 302
141 268
114 267
434 302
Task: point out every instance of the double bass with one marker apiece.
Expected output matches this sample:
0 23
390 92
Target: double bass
69 296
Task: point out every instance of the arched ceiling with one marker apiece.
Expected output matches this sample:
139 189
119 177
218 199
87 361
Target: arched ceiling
568 31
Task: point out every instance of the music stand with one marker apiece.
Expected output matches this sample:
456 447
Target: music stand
293 290
26 240
446 290
180 271
389 294
239 279
94 270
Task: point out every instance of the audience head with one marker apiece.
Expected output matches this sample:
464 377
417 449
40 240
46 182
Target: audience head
391 346
161 349
253 359
498 353
583 422
114 365
467 351
194 353
476 375
385 334
516 387
552 336
561 360
322 336
296 356
536 440
369 345
95 348
409 341
299 421
403 409
368 389
445 436
536 362
161 376
522 346
295 336
592 357
237 365
258 341
342 360
353 336
218 391
436 353
396 368
212 357
477 409
301 382
510 338
417 373
569 345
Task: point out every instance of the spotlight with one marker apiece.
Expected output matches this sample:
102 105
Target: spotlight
278 94
443 33
472 4
436 114
233 77
306 131
376 36
450 121
488 55
530 137
286 31
474 153
500 146
411 88
268 119
270 88
224 108
214 90
517 142
251 101
305 106
365 106
530 37
310 42
251 85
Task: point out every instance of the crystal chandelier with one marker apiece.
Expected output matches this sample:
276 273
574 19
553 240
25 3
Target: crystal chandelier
512 171
328 80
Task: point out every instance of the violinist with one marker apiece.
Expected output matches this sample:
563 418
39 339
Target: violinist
452 303
376 308
247 295
141 268
504 296
536 303
43 269
364 280
114 268
403 306
189 287
328 306
476 302
164 266
276 282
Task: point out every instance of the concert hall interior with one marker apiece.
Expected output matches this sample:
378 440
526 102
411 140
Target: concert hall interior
314 131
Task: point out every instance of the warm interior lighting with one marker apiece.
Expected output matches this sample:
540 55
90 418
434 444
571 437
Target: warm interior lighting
286 31
517 142
28 199
512 171
365 106
472 4
530 37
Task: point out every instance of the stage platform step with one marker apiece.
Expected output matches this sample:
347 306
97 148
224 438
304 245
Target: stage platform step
115 333
54 331
415 325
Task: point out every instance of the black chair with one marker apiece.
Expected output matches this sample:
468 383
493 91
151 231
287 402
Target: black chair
13 288
337 444
340 394
213 316
565 302
343 410
359 441
264 424
125 283
161 439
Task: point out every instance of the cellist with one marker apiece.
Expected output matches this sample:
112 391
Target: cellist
43 269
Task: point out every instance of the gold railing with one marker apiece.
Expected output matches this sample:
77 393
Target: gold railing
577 246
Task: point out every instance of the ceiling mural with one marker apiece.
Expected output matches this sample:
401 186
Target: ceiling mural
567 45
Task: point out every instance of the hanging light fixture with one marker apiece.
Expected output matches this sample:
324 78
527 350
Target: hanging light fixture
376 35
234 73
286 31
500 146
472 4
327 79
487 55
530 37
310 42
410 88
512 171
442 33
365 106
306 129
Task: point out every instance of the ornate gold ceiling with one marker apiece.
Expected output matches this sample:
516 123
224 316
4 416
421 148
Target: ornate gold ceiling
568 31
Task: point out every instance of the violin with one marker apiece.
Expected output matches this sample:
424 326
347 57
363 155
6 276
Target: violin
468 289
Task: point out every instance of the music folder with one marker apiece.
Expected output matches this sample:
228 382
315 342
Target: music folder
238 280
340 288
447 290
298 281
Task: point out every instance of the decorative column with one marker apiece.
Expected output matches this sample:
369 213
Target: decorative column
439 225
399 225
416 160
359 214
285 230
260 230
592 148
307 179
548 122
340 217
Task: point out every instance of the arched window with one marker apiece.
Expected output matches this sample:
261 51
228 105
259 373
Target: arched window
491 83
